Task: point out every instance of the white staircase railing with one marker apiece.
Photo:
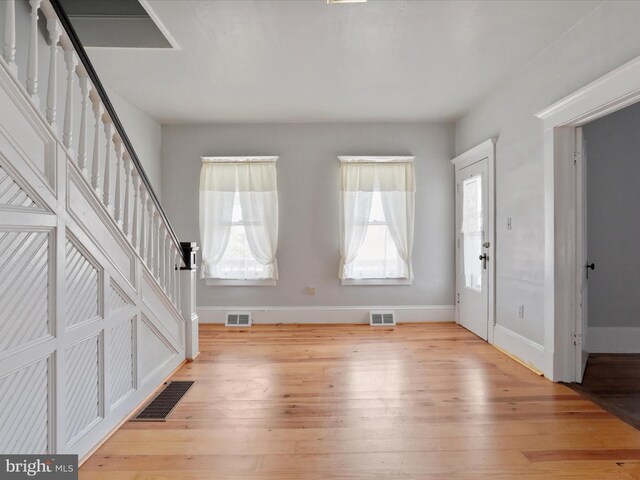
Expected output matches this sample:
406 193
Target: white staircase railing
110 164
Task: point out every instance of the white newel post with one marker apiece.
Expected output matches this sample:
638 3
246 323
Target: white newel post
188 301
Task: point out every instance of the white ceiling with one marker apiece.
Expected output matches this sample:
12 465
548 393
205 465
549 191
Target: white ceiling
305 60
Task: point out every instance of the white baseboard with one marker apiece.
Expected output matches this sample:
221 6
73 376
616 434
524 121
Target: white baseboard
613 340
307 315
527 351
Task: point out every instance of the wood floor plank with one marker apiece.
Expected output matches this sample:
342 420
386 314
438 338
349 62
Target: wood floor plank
334 402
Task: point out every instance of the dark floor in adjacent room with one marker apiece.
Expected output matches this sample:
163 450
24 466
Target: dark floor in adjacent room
613 382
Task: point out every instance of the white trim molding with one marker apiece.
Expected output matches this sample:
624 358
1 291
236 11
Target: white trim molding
484 150
329 315
611 92
528 352
266 159
613 340
374 159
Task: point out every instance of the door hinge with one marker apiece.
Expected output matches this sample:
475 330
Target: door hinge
458 298
577 338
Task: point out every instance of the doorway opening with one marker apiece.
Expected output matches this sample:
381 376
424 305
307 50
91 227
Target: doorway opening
608 229
563 319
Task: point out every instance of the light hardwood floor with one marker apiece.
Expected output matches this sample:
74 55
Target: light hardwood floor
354 402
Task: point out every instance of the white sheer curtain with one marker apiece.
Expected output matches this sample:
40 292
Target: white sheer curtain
256 184
397 190
396 184
217 191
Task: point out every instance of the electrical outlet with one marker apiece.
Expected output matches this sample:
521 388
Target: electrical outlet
520 311
311 290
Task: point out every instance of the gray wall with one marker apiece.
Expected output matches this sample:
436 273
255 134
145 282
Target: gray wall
613 218
606 38
308 173
144 133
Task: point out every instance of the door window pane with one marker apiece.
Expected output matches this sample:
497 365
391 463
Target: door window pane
472 233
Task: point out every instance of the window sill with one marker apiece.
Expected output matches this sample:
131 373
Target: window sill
225 282
376 281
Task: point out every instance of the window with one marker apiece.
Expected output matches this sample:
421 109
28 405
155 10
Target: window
377 205
472 232
378 256
239 220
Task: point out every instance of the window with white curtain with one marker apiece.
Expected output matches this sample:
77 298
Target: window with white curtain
239 219
376 221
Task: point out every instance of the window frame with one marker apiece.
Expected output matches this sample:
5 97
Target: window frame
400 281
240 282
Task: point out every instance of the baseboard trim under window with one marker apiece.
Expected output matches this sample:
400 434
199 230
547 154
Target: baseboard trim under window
223 282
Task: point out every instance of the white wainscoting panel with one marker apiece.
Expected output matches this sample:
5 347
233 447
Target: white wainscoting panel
158 351
83 386
12 194
162 310
24 287
25 418
121 360
25 131
83 285
117 298
88 213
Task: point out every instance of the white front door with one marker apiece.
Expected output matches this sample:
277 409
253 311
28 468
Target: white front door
473 247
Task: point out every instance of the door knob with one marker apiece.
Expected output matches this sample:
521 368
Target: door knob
590 266
484 259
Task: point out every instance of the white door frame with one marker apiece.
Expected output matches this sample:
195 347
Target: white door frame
614 91
486 150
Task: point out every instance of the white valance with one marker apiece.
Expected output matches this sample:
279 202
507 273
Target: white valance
395 176
238 174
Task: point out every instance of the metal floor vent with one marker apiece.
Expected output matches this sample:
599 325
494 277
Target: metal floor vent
164 403
238 319
378 319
